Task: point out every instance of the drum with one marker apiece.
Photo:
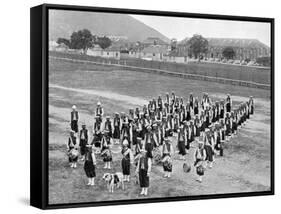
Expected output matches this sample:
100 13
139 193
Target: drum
106 154
186 167
73 153
168 164
200 170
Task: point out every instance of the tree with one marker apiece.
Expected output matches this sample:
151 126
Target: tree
104 42
197 45
63 41
228 53
81 39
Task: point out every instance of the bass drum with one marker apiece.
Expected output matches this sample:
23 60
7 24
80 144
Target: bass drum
73 153
186 167
200 170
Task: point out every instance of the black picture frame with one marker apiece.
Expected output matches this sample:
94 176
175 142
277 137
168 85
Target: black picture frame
39 105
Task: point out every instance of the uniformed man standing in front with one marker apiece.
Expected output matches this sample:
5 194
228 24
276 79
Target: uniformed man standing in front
74 119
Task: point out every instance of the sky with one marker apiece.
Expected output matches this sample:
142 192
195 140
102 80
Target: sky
180 28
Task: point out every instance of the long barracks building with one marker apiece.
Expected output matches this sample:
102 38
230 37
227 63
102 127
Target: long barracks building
244 48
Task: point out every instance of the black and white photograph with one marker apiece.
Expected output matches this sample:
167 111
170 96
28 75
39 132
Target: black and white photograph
144 106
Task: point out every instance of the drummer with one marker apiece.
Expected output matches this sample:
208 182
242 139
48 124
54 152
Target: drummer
199 158
90 165
105 150
167 152
72 148
143 170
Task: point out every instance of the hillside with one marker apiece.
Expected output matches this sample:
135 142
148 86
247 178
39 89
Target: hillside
63 23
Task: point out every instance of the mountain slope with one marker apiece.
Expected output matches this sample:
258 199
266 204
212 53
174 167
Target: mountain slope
62 23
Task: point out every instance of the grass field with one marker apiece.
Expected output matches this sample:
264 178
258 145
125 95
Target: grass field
244 168
228 71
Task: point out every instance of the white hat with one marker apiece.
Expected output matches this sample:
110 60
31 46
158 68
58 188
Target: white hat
125 142
99 103
74 107
200 142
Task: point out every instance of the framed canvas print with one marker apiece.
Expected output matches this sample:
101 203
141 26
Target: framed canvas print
134 106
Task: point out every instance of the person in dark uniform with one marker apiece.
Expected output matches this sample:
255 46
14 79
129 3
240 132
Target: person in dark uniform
99 110
167 152
127 160
218 139
72 149
137 113
191 101
90 165
116 124
173 98
139 146
234 122
74 119
97 135
227 125
108 126
228 103
160 103
251 105
135 131
196 106
197 124
125 133
148 139
83 140
209 147
199 159
167 99
187 112
203 122
192 131
222 130
105 151
143 169
221 109
181 143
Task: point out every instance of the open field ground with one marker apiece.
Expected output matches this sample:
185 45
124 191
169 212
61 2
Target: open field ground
244 168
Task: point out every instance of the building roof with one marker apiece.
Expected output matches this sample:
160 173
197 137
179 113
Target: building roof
61 45
156 49
245 43
96 47
153 40
113 48
231 42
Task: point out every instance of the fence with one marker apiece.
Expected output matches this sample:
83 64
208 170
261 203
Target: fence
228 74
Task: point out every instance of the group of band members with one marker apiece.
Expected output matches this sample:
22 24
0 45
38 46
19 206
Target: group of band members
144 134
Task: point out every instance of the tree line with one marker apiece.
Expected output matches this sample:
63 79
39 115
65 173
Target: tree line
83 39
